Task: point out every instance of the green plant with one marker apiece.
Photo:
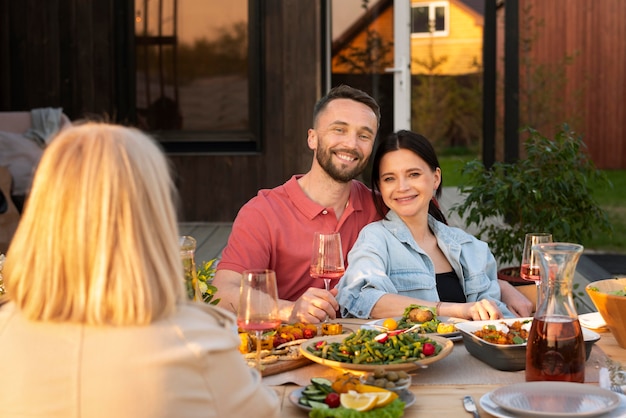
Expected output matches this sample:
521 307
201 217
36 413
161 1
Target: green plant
205 275
548 191
444 108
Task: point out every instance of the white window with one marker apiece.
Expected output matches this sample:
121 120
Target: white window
430 18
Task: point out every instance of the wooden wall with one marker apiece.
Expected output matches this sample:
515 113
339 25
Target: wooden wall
62 53
462 48
57 53
593 34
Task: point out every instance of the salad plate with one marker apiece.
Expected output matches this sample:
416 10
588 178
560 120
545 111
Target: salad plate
552 399
404 395
361 368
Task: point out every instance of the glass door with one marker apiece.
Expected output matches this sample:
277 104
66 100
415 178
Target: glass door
371 50
402 65
421 60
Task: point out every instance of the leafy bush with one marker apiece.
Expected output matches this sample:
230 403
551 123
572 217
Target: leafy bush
547 191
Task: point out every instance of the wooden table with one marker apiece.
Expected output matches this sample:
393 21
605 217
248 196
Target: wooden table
446 400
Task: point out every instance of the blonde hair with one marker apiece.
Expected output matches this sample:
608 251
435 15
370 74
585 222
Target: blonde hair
98 240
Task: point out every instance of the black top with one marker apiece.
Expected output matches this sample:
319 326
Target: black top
449 288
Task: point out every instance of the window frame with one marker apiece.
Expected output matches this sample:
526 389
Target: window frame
432 6
244 141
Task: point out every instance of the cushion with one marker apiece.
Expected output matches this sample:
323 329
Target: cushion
21 155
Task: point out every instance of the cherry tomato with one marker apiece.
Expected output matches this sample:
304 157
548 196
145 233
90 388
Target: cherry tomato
428 349
332 400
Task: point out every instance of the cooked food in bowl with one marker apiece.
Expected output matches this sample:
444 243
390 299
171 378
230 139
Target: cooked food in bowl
507 357
503 333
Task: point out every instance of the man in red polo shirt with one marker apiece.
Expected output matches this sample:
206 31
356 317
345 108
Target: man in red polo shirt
275 229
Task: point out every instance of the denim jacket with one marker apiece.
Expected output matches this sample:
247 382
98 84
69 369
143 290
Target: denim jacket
386 259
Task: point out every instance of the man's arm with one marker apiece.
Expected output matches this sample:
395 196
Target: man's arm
314 306
227 283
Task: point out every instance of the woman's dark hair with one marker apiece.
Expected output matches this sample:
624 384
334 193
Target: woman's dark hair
420 146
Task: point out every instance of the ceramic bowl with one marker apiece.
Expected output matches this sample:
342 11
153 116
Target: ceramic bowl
506 357
395 386
611 307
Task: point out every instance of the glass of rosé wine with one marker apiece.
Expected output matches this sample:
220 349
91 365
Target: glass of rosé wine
530 259
258 305
327 258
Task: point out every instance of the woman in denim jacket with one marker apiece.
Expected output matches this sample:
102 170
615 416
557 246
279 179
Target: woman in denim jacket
412 256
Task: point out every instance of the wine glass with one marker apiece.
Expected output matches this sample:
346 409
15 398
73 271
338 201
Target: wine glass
327 259
530 260
258 305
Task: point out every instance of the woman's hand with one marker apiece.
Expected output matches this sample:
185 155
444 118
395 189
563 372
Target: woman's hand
482 310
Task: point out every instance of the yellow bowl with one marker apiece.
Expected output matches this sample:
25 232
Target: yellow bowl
611 307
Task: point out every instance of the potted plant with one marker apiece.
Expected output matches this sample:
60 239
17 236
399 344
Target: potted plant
549 190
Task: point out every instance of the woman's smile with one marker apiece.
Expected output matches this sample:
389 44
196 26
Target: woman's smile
407 183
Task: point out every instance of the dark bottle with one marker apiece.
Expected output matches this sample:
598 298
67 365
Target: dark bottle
556 348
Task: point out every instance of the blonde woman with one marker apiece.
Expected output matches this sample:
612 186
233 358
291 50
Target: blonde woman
97 323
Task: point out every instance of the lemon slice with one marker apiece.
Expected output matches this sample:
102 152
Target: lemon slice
359 401
363 388
384 398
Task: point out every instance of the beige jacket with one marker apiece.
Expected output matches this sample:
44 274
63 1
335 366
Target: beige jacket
185 366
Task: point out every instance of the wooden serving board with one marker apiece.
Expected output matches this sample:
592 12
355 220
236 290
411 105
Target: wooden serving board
284 365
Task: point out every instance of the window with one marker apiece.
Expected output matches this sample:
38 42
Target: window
198 76
429 18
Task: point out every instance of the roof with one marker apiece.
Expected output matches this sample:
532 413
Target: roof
477 5
376 10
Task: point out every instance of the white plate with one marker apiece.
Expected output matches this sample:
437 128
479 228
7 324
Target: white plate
592 320
454 336
492 408
554 399
404 395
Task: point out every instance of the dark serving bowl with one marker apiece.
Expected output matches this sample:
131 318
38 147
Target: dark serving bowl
505 357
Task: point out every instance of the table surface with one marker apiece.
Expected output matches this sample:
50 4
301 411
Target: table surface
446 399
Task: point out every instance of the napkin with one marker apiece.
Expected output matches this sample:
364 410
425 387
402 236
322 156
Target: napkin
592 320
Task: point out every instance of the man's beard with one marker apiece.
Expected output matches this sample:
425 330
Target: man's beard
324 158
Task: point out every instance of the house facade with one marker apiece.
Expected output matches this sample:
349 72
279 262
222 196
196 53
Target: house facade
83 56
452 45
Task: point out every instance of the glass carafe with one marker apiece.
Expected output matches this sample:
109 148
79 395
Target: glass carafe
556 348
187 255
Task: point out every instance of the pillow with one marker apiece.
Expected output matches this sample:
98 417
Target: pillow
21 155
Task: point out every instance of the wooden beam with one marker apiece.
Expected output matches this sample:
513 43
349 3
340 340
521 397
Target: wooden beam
511 81
489 83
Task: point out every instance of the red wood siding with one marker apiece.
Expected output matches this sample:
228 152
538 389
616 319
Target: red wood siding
593 31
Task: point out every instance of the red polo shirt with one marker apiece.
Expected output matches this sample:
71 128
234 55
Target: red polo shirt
275 229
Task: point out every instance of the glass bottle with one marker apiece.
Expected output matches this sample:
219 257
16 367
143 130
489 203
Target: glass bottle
556 348
187 255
